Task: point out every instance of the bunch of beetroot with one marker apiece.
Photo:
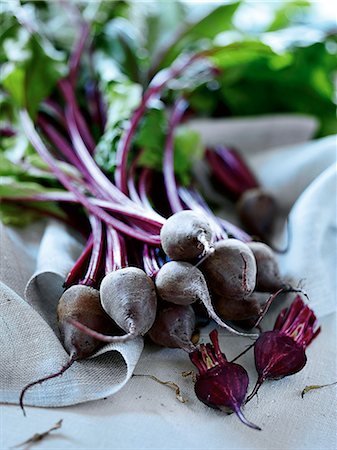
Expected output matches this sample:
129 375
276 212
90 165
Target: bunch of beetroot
142 272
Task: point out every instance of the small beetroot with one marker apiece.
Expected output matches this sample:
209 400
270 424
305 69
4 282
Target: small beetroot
220 384
281 352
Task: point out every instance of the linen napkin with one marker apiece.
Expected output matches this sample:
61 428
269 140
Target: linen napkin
30 348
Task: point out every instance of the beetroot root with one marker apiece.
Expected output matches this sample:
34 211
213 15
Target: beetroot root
173 327
228 309
128 296
268 277
230 271
186 235
257 210
187 280
171 283
80 303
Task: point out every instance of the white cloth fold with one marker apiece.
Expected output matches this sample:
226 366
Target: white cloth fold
30 348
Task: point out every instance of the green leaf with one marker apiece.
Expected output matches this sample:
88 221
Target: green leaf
187 150
122 98
12 215
239 53
10 188
288 13
42 74
33 67
120 43
8 168
151 139
151 133
220 19
13 80
21 215
217 21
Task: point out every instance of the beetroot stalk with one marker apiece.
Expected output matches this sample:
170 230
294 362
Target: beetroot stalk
116 256
61 144
68 197
193 201
76 272
76 55
178 110
151 265
106 186
155 87
52 108
44 153
90 278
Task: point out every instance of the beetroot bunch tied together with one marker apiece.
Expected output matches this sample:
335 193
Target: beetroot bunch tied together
223 385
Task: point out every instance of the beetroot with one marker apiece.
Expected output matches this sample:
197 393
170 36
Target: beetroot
220 384
186 235
231 270
173 327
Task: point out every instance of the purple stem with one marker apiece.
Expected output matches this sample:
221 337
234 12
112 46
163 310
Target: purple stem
178 110
155 87
113 260
144 182
70 97
76 55
141 198
131 179
235 231
96 175
68 197
93 173
37 143
224 174
99 112
195 204
150 262
77 270
54 109
235 162
61 144
90 278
